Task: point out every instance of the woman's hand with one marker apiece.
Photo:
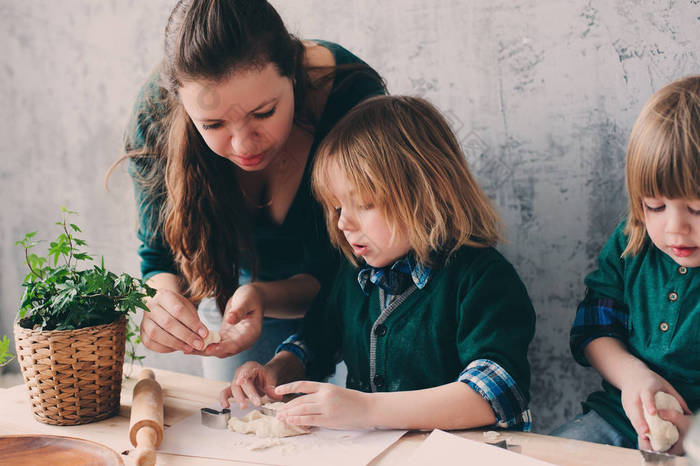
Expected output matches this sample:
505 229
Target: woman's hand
324 405
172 324
250 382
638 395
241 324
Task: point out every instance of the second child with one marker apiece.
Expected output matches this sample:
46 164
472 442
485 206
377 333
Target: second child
639 324
433 323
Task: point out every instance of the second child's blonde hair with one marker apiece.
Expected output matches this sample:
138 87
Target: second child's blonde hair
663 154
400 154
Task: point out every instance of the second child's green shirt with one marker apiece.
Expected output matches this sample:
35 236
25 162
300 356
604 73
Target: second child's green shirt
652 305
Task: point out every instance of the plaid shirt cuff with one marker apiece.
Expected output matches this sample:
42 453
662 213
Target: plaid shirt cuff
497 387
595 318
295 345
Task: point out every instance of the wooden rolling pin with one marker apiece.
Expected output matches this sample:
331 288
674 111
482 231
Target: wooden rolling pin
146 422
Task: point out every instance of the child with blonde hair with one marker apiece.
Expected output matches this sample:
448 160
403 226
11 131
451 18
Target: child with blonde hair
639 324
432 322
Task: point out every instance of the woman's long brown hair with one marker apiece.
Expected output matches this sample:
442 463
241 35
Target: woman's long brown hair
204 218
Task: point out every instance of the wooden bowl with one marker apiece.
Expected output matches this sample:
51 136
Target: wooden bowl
54 450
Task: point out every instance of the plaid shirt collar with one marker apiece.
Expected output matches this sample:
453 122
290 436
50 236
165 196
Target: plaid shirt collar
395 279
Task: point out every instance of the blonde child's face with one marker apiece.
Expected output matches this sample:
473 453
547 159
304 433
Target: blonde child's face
365 228
674 227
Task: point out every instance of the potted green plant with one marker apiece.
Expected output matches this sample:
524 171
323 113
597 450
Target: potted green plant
71 330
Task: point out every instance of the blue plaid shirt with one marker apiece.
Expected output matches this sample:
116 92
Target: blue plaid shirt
484 376
597 317
395 279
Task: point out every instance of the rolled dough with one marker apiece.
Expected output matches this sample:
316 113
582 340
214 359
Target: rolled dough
212 337
262 425
662 434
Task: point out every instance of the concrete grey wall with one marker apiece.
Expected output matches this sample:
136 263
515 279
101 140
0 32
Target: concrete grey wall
542 95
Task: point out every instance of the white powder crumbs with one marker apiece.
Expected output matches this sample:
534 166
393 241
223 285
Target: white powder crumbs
491 435
264 444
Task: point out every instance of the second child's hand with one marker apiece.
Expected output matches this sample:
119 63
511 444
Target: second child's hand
637 383
637 396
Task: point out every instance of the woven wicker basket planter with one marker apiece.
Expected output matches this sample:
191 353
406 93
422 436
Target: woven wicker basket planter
72 376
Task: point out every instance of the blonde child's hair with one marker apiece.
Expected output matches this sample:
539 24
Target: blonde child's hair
399 154
663 154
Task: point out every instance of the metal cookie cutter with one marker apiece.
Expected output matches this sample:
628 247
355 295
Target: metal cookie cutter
653 457
215 419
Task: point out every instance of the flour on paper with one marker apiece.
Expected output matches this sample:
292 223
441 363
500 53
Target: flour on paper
263 425
662 434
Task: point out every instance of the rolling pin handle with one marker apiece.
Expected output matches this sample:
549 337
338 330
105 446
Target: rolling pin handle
147 374
145 452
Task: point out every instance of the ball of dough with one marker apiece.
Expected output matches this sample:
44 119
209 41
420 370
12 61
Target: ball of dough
662 434
263 425
212 337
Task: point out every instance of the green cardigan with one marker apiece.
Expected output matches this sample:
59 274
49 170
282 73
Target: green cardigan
475 307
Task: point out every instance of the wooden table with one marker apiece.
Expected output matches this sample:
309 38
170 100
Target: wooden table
186 394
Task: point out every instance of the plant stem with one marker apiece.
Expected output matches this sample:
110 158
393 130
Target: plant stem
26 256
70 243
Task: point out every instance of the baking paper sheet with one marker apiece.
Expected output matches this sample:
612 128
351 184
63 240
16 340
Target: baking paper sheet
322 446
448 449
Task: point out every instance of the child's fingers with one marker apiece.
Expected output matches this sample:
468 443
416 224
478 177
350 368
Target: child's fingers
671 415
636 417
238 395
648 401
251 391
224 396
644 443
301 386
301 406
310 420
270 391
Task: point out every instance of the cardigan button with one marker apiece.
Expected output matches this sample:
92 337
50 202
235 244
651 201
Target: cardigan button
673 296
380 330
663 326
682 270
378 381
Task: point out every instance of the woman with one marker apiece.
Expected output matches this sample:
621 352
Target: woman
220 150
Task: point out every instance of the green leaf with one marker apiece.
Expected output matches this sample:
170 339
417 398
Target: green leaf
75 227
5 354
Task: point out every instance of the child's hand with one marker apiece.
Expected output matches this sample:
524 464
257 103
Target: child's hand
250 382
324 405
638 395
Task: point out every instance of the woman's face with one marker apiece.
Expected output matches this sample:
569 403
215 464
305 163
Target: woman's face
246 117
